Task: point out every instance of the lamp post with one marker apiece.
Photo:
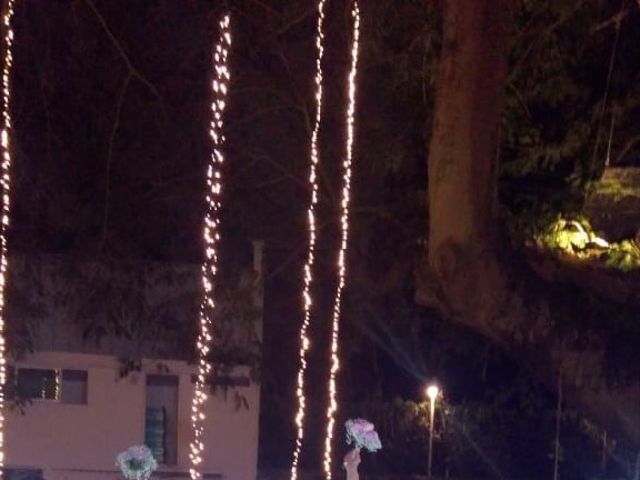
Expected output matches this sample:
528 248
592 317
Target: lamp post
432 392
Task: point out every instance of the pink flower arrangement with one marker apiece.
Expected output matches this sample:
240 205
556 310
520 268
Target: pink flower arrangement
362 434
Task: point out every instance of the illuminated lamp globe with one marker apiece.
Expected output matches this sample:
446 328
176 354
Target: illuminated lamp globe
432 392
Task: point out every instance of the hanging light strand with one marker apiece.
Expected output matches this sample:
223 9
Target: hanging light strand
308 267
342 254
5 183
219 85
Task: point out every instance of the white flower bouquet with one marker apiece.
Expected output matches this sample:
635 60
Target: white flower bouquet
136 463
362 434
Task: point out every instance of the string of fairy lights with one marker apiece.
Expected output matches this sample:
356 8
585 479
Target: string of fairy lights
219 86
308 267
344 224
5 186
344 221
212 234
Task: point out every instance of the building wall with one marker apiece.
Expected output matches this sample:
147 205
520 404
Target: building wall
71 442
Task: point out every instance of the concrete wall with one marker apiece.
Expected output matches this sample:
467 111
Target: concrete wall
82 441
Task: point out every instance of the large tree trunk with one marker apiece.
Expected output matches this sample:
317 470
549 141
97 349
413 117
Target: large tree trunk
467 277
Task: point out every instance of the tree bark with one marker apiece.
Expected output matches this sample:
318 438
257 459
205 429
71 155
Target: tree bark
467 276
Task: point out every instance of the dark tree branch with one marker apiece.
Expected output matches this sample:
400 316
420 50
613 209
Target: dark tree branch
632 142
535 42
613 20
112 137
520 99
267 7
279 167
292 23
133 71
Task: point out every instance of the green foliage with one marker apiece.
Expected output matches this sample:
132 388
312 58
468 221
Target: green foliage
547 120
614 188
624 255
557 130
148 309
569 235
575 236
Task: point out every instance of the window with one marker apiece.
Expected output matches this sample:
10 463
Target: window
74 387
161 419
35 383
64 386
21 474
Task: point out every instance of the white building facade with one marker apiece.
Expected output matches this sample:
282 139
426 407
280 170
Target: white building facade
89 414
86 404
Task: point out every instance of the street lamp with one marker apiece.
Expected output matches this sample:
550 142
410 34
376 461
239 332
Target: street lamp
432 392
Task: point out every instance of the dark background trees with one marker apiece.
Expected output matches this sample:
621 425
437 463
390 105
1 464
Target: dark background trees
111 113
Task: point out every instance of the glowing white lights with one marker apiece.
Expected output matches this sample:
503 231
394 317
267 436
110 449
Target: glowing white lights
308 267
211 237
5 186
432 392
342 254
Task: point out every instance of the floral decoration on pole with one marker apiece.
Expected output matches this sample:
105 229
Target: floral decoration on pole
136 463
362 434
